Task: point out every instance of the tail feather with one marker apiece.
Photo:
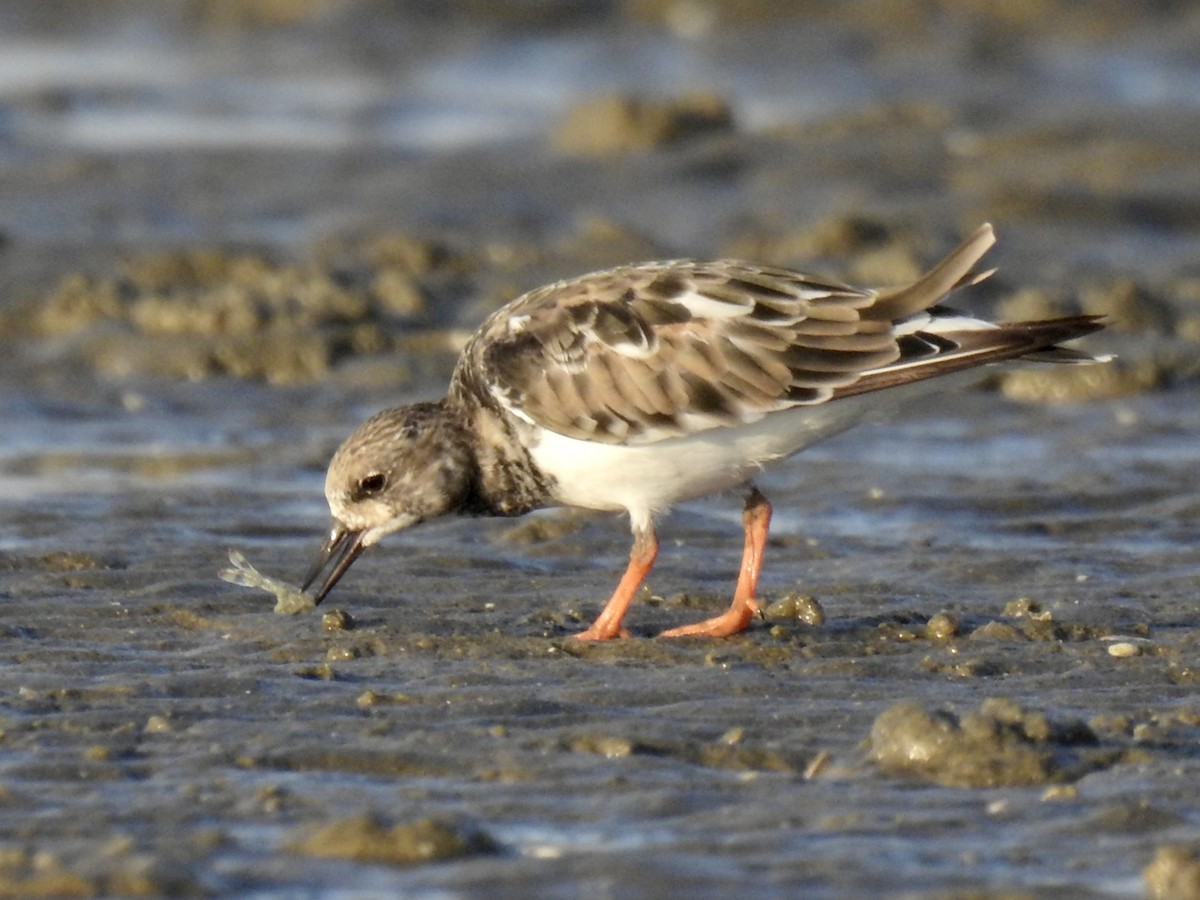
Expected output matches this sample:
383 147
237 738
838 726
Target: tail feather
955 270
954 351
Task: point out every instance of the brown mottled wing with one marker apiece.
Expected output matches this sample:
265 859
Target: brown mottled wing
646 352
642 353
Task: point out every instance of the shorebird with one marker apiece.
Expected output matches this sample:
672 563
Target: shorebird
637 387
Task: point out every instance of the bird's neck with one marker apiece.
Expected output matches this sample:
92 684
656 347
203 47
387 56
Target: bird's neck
506 482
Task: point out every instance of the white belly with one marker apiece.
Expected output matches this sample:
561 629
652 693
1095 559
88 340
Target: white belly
646 479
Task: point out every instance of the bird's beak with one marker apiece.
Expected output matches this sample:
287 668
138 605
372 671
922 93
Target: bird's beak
341 548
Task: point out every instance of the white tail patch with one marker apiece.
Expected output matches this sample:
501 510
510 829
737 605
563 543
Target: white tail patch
941 324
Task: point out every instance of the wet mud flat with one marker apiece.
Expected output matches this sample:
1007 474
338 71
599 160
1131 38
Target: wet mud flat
1006 677
979 670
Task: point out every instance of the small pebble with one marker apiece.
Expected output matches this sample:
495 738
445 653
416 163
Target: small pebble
733 736
337 620
941 627
797 607
1123 649
1061 792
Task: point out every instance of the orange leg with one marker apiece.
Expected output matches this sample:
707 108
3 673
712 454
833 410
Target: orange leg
756 519
641 559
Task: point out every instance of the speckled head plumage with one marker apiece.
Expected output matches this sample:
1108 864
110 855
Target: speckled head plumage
399 468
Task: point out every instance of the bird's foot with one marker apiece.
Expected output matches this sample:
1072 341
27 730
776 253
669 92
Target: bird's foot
732 621
601 634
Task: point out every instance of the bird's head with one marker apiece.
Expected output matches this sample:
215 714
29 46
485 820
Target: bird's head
399 468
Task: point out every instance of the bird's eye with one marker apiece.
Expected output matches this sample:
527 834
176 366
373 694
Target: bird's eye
370 484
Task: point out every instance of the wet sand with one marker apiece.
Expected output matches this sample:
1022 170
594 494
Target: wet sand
1002 697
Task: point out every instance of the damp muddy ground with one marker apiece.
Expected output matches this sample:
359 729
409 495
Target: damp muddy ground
232 230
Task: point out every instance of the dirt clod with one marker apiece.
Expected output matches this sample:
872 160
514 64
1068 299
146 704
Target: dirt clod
367 838
1001 744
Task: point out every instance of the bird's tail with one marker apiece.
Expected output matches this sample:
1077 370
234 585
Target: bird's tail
957 269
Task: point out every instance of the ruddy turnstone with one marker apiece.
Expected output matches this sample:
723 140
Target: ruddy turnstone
640 386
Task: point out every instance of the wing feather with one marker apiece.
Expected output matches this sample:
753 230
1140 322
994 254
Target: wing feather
640 353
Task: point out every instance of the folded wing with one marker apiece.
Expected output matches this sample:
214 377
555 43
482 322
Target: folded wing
647 352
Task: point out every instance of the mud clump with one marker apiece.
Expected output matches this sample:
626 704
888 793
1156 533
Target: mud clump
799 608
843 237
1078 384
728 752
366 838
1173 874
610 126
942 627
23 875
337 620
202 313
1129 306
1001 744
116 870
57 561
1162 354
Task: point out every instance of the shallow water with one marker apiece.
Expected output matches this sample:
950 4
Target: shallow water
165 733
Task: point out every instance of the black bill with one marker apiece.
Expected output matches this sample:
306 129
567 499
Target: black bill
340 549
